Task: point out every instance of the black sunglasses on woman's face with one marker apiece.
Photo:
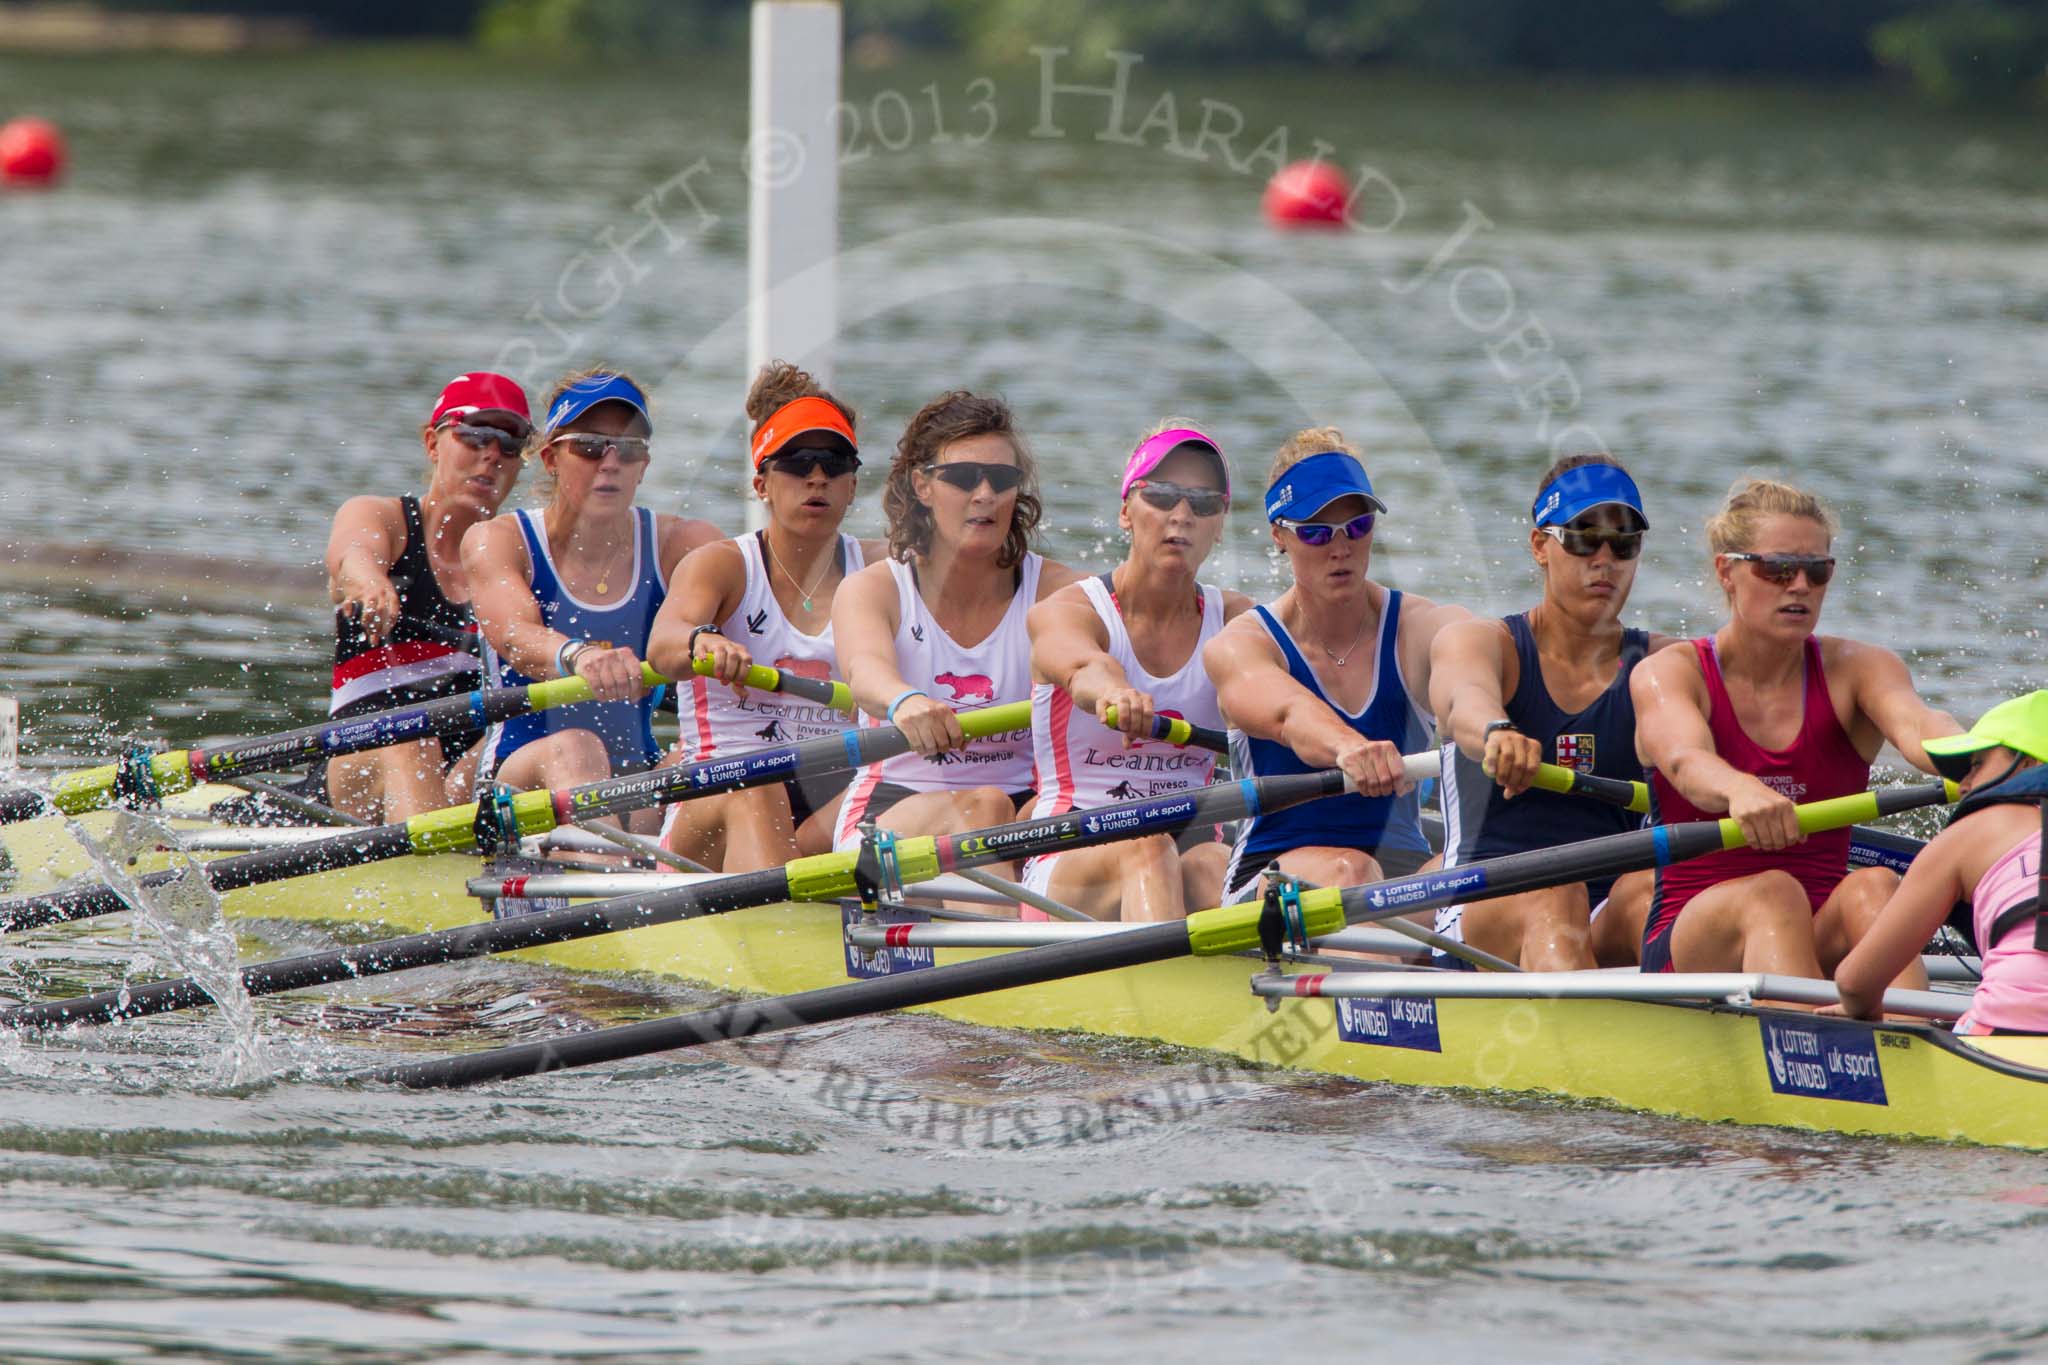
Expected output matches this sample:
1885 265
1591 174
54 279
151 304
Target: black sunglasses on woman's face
968 475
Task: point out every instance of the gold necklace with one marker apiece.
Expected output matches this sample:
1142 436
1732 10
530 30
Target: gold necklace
604 584
807 592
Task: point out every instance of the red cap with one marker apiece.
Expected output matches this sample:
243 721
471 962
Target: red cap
467 394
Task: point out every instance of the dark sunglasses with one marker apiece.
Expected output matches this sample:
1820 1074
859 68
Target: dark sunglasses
1583 542
799 463
1322 532
477 437
1782 569
632 449
968 475
1203 502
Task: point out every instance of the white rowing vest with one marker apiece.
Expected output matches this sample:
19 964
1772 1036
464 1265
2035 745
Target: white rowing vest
1082 762
715 721
995 671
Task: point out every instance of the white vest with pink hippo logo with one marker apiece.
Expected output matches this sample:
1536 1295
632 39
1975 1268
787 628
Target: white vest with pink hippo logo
995 671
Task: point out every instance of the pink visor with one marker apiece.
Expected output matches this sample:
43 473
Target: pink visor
1153 449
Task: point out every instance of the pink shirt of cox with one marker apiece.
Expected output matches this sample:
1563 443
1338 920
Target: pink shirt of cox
2013 995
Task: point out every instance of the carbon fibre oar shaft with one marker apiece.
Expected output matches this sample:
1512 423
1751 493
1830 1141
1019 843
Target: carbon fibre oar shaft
181 769
823 877
1228 929
536 812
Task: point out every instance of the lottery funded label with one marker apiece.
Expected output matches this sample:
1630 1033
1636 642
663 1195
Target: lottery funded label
868 963
1110 819
1823 1060
1380 1022
372 733
1451 882
721 772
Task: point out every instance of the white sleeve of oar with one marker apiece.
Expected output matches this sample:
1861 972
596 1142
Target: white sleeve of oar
1415 767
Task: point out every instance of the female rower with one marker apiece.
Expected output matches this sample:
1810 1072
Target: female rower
394 570
940 624
573 588
1989 856
1132 639
767 598
1548 685
1328 676
1759 716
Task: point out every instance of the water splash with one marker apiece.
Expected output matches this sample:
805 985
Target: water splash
186 918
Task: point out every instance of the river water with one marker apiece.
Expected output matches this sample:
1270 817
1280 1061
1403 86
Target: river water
236 312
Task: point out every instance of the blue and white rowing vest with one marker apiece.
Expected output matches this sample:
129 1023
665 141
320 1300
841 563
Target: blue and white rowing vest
1369 823
626 727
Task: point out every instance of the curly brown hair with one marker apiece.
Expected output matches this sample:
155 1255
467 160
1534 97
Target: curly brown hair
951 417
779 384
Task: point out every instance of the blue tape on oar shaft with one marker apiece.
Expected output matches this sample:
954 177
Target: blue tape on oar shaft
1250 788
852 739
477 718
1660 840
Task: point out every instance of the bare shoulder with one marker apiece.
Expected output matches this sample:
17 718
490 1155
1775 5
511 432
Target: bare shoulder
680 535
1474 633
1419 613
718 562
1859 659
1066 609
1054 576
372 509
492 539
1243 641
868 587
1669 667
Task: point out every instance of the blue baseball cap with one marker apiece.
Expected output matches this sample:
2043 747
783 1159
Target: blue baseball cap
586 394
1578 491
1308 486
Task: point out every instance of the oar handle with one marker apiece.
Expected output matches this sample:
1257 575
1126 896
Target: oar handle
1819 817
1633 796
1176 731
1415 767
825 691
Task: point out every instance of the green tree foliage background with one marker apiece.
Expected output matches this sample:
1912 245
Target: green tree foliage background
1948 50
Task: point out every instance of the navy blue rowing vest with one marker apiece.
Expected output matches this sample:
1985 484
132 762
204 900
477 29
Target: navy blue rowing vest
1368 823
1481 823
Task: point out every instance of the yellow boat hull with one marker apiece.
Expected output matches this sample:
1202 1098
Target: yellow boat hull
1719 1063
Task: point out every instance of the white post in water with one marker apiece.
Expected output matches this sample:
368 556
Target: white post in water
793 204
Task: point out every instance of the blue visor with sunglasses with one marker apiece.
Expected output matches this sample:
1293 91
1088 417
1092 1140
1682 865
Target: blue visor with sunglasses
1308 486
1576 492
586 394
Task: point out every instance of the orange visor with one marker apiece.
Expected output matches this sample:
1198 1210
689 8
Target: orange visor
798 418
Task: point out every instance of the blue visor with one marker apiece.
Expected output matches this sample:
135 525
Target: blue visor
1576 492
1309 486
586 394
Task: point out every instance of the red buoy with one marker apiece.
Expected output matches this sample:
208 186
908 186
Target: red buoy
1306 194
31 152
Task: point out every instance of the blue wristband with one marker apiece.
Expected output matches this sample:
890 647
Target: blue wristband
561 668
902 697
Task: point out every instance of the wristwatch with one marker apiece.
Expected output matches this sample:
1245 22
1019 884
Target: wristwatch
702 630
1501 724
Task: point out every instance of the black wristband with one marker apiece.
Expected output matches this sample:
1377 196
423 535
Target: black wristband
1501 724
701 630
